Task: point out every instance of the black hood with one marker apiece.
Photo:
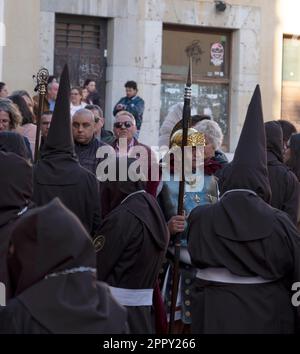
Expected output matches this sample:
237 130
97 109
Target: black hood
59 139
13 142
49 240
15 186
248 170
295 143
274 138
114 192
145 208
58 162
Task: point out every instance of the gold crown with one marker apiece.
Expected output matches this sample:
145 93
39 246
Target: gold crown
194 138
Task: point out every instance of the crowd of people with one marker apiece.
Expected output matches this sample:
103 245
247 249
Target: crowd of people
80 97
83 256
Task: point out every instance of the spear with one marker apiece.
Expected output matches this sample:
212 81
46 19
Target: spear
186 115
42 83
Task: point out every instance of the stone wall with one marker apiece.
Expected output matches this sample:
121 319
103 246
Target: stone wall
135 44
21 53
2 37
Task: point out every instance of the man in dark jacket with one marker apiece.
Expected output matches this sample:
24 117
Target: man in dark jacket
93 96
132 103
49 99
284 184
101 134
86 145
246 252
58 173
52 266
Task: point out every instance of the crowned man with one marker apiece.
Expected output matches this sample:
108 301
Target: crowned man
200 189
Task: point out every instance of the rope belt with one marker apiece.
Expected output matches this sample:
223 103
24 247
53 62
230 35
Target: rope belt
239 190
133 297
71 271
223 275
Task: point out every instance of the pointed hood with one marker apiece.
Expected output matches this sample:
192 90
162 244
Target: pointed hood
58 164
248 169
244 216
51 240
59 139
15 186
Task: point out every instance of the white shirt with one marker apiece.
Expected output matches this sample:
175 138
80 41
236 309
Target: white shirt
74 109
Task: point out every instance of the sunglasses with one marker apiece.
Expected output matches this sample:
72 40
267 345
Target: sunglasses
119 125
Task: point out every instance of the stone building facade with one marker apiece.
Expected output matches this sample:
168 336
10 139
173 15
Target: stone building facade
146 41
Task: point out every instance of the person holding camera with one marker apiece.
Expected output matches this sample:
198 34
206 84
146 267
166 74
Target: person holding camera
132 103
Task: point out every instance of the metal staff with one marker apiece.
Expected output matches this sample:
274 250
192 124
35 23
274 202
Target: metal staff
42 83
186 115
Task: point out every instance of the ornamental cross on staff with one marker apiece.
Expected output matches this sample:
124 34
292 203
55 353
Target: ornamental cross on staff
42 83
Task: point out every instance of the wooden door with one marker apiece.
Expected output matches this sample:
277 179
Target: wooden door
80 41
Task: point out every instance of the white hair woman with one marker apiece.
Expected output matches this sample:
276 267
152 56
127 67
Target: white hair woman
213 136
213 141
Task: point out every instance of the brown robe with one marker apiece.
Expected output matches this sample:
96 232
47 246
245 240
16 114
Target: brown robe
53 272
242 234
135 241
58 173
16 192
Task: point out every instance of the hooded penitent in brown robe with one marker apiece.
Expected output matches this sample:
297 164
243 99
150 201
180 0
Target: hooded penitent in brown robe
131 246
284 184
52 269
15 199
13 142
246 252
58 173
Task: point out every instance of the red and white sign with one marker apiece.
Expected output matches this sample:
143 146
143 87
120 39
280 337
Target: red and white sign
217 54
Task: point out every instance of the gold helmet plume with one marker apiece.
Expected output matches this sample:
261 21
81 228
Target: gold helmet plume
194 138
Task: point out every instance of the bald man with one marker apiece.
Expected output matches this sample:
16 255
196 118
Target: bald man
86 145
125 128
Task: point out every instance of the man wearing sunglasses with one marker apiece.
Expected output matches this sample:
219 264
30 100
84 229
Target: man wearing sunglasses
124 127
124 130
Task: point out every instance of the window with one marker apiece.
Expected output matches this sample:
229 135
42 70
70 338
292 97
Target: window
210 51
290 103
76 32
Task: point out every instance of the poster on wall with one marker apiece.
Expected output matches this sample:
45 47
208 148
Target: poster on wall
217 54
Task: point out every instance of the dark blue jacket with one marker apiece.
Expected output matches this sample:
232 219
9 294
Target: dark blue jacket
135 105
